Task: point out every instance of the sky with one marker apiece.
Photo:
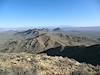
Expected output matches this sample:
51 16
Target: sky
42 13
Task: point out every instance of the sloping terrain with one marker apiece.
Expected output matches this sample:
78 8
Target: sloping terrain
44 52
29 64
38 40
91 32
90 54
6 35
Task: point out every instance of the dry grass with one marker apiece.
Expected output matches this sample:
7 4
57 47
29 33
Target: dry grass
29 64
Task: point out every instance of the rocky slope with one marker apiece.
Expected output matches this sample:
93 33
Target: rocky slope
38 40
25 54
90 54
29 64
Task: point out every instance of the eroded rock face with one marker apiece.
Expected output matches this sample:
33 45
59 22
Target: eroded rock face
41 64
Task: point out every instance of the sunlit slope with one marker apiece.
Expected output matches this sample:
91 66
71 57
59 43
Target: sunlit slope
29 64
39 40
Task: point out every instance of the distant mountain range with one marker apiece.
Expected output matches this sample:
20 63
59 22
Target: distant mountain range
37 40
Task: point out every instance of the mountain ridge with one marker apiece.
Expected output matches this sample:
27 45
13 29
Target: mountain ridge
38 40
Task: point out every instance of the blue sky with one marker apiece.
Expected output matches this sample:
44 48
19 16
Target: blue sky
36 13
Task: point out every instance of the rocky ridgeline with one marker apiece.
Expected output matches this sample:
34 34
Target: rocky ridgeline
41 64
38 40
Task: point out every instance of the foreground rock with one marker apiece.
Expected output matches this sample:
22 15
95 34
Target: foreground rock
41 64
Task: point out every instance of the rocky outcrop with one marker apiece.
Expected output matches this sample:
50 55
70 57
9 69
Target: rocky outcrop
29 64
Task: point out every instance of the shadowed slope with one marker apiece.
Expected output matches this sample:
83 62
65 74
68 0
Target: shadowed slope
90 54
